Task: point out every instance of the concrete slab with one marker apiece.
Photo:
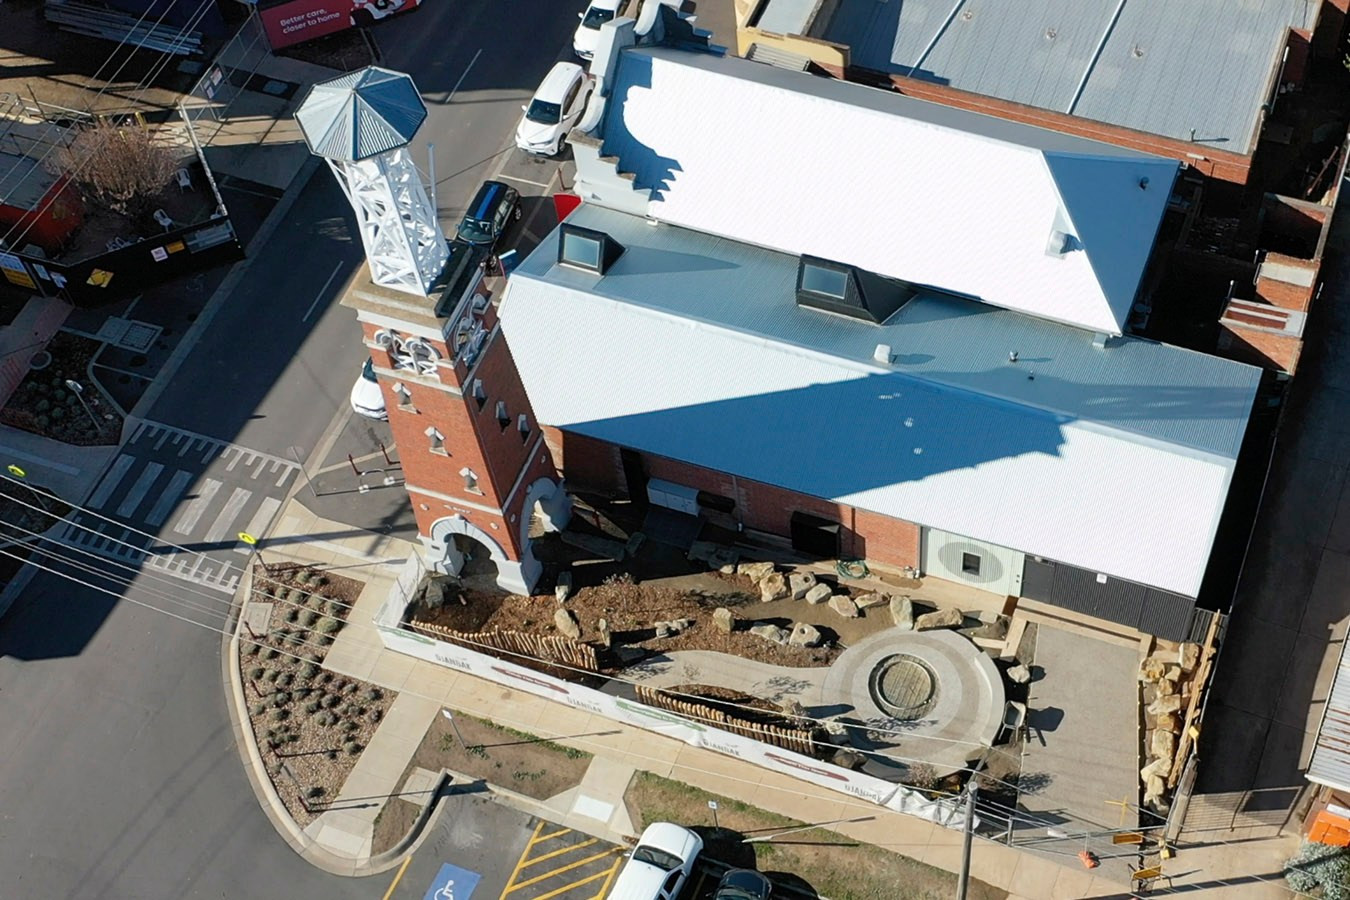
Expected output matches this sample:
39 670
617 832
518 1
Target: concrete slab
420 785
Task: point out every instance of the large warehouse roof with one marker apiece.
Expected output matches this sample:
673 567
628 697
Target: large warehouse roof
1115 458
1152 65
1016 216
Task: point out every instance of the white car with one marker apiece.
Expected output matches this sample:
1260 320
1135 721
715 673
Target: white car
660 864
554 109
588 32
367 399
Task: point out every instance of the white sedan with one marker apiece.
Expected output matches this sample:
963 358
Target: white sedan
367 399
587 35
659 865
554 109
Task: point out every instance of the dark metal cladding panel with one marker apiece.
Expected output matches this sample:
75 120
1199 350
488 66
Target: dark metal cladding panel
1166 615
1116 600
1038 579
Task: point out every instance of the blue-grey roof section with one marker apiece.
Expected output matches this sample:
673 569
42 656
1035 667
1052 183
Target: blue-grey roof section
786 16
1156 66
1153 391
361 114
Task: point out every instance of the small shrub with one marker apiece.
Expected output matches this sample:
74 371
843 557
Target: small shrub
1319 865
331 701
350 687
304 576
281 698
334 607
285 679
295 639
326 677
352 748
328 626
270 675
309 670
350 711
320 580
314 793
323 640
292 614
57 414
259 709
372 694
327 719
374 716
349 725
315 602
271 653
296 595
252 648
256 672
42 406
280 715
313 706
308 618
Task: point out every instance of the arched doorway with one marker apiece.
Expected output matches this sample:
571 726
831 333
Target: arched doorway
459 547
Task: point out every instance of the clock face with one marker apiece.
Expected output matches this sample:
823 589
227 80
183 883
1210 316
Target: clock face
409 353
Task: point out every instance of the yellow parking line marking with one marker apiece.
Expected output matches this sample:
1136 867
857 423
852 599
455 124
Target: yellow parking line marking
548 837
520 863
567 868
568 887
567 849
613 870
399 877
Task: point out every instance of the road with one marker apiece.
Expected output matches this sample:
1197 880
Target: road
119 775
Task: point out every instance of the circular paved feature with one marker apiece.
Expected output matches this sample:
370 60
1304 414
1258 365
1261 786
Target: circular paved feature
903 686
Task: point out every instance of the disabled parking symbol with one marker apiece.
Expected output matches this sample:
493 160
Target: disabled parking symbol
452 883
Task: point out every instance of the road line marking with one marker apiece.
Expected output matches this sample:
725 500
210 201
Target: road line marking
567 887
520 863
538 184
285 473
398 876
548 837
195 566
164 505
567 868
446 98
111 481
211 451
139 489
258 524
604 888
567 849
238 455
257 470
176 438
227 515
137 433
163 436
319 296
188 520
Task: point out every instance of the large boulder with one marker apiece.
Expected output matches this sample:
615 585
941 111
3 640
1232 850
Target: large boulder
848 759
818 594
724 620
566 623
1019 674
755 571
1169 703
836 732
1163 744
606 636
562 589
1154 789
773 587
1155 769
1167 722
770 633
1152 669
799 583
663 629
943 618
843 604
867 601
902 613
1188 656
804 635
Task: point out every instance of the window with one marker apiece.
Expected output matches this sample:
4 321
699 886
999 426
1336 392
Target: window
523 425
404 397
437 441
470 480
970 564
579 250
503 417
543 112
570 100
479 394
820 280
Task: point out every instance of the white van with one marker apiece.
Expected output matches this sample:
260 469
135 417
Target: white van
659 865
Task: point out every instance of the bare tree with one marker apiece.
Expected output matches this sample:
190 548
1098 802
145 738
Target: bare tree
120 165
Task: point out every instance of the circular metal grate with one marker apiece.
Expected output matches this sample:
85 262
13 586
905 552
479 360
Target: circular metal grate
903 686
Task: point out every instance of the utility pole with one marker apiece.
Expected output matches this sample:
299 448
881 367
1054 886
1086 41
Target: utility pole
968 836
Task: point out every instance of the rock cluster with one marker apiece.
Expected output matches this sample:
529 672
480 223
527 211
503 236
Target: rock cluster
1166 683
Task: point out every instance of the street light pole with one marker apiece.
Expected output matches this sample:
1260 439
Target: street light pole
963 882
78 390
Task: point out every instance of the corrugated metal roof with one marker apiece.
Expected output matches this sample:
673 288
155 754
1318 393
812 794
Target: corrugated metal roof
928 193
1330 763
361 114
786 16
1162 67
692 346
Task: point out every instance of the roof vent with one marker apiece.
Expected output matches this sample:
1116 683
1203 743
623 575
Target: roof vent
1099 340
882 354
1061 243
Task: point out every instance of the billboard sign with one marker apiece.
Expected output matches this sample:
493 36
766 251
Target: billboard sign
304 20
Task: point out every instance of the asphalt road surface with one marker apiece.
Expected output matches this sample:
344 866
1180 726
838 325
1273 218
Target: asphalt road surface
119 775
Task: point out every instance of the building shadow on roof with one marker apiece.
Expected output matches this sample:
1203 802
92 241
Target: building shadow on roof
650 169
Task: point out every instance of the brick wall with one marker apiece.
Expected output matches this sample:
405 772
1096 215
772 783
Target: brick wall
1267 349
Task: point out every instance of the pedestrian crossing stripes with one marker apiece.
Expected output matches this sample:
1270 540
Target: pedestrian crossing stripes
123 545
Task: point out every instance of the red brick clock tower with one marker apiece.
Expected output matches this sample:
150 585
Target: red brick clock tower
473 455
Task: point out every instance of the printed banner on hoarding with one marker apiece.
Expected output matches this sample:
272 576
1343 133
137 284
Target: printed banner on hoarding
304 20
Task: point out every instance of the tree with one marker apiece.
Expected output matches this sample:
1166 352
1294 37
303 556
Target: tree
120 165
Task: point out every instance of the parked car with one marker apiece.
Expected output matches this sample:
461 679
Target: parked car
367 12
554 109
743 884
659 865
367 399
587 35
494 207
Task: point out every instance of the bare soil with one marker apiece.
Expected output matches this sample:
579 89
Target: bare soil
311 725
501 756
43 404
819 863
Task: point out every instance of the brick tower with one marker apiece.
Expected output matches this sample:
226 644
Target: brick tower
474 460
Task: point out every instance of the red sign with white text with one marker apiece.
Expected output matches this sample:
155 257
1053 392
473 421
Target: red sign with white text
304 20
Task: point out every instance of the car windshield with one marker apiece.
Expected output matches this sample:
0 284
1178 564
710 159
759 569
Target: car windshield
544 113
475 231
659 858
368 370
597 17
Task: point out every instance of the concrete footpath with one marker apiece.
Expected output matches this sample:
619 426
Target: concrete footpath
340 840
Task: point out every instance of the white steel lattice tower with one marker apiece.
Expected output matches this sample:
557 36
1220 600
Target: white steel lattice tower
362 123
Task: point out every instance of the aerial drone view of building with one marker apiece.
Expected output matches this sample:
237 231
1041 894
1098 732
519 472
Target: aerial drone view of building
664 450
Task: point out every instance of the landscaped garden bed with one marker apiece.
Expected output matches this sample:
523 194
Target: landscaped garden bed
501 756
44 403
24 512
310 725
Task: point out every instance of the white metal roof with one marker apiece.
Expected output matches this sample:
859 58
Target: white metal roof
360 114
1330 763
893 185
693 347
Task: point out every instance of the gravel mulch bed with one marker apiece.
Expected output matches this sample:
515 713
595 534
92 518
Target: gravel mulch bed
310 725
44 405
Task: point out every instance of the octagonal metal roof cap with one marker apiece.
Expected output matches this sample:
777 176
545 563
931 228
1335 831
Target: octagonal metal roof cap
361 114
